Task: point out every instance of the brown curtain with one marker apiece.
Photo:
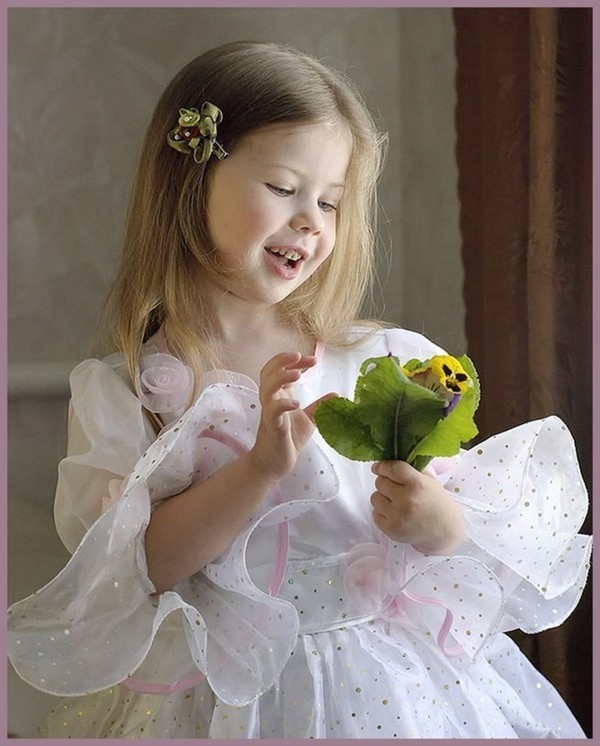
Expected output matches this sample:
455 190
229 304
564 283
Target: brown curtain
524 151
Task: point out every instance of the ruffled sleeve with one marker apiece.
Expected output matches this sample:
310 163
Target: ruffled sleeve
108 432
523 566
525 501
98 623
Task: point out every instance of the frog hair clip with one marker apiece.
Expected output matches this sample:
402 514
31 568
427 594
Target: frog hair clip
196 133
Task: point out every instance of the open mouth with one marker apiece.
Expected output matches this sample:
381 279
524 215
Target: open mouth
287 257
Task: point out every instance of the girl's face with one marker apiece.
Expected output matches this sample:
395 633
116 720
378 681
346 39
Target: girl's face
272 207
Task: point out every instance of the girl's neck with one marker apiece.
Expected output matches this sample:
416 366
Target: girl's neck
249 337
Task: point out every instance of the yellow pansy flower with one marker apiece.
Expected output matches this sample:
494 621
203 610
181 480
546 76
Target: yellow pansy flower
443 374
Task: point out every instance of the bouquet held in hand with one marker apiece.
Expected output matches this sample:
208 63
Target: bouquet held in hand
409 412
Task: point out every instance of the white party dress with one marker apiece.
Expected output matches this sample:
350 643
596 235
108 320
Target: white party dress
312 624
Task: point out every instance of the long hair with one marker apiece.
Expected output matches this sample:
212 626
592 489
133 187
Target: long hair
168 256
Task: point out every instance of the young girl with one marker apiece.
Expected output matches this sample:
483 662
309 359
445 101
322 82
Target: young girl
232 576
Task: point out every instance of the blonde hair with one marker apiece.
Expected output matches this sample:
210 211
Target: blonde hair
168 256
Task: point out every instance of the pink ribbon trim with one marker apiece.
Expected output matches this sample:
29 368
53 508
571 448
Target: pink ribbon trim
446 624
147 687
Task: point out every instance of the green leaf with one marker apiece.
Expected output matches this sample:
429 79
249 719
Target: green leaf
413 364
340 425
399 413
376 394
420 462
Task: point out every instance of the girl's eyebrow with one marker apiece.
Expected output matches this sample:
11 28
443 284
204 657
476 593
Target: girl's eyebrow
298 172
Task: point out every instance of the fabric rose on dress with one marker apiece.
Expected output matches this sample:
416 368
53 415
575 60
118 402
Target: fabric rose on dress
375 583
364 577
164 384
369 584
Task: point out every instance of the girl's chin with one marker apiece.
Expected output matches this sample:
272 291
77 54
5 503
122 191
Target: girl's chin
259 297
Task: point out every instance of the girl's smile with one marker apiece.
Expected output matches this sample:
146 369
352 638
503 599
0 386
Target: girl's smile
272 207
285 260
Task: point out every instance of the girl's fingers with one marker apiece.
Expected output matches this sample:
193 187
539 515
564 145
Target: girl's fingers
274 410
287 360
398 472
380 503
282 371
278 385
388 487
277 377
283 378
379 520
284 405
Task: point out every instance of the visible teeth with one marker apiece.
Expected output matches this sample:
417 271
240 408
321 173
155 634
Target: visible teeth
287 253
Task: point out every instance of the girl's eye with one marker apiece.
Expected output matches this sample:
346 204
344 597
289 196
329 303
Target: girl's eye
280 191
327 206
286 192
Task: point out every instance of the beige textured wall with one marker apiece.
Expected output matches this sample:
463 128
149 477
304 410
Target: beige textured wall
82 83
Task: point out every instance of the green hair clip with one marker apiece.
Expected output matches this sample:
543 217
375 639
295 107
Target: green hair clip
196 133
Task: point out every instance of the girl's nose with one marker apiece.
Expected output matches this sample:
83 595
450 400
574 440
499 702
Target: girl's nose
308 219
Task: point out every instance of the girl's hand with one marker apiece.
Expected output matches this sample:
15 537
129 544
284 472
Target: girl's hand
412 507
284 427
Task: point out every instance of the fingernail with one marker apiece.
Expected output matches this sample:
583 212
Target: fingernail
375 467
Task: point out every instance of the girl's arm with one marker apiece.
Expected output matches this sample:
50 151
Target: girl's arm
412 507
192 529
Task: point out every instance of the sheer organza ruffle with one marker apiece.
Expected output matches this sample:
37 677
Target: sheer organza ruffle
523 566
98 623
